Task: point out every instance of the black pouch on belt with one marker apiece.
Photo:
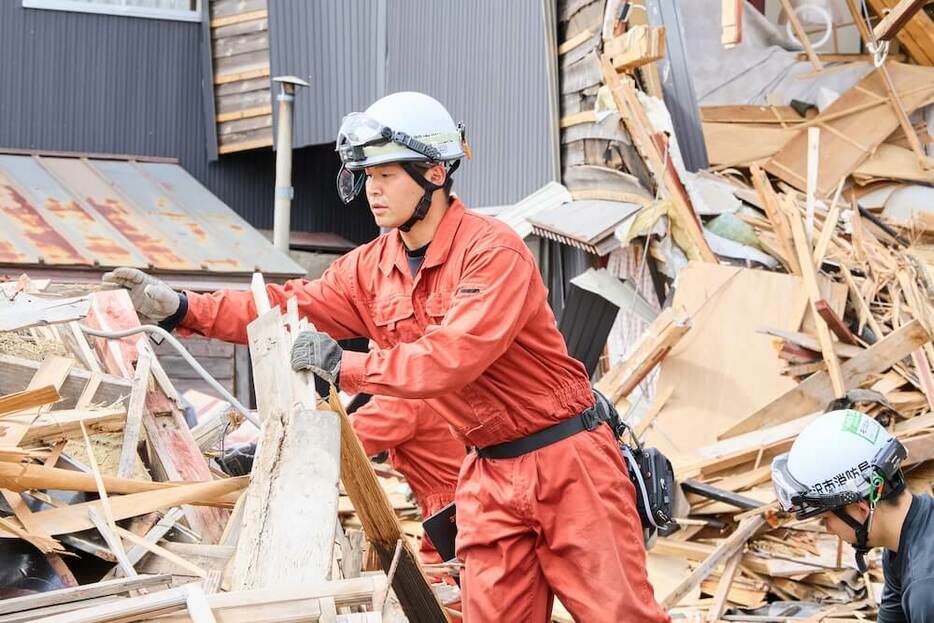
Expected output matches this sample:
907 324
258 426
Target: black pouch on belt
651 474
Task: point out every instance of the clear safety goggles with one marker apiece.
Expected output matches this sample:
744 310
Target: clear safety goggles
357 133
861 482
805 502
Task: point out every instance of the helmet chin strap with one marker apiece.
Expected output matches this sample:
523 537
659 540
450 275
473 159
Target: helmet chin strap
862 534
418 174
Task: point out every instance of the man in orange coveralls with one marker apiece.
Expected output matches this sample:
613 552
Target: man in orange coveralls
458 311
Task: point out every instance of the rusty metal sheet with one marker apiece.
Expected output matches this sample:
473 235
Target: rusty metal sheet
98 242
64 213
144 232
242 239
28 237
183 227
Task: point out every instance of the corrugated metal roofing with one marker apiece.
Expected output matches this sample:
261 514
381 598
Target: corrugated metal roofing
70 212
107 84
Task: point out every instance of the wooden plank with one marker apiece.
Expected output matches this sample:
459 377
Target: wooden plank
381 525
159 530
290 511
221 9
809 276
652 145
236 76
241 44
638 46
731 23
723 587
73 518
131 609
777 218
27 399
173 451
815 392
134 415
575 41
735 144
80 593
256 144
860 115
835 323
898 108
269 604
829 227
917 36
659 338
734 543
228 20
243 114
53 371
151 547
35 312
110 537
243 28
801 34
16 372
808 341
810 200
56 426
897 18
723 368
744 113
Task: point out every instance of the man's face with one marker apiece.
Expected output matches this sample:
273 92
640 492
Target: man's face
392 194
837 526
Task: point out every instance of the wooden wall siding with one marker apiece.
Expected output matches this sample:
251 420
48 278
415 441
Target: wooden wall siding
243 102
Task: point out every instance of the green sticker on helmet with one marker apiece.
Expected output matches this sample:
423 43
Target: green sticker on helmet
861 425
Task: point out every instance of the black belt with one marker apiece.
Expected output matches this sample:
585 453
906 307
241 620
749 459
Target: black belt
586 420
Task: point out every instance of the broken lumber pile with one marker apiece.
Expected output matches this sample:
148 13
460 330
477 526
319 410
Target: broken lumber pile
112 508
795 275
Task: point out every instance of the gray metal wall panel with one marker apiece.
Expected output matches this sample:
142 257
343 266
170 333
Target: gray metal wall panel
332 45
484 59
120 85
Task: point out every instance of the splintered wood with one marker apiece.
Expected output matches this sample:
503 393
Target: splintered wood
113 400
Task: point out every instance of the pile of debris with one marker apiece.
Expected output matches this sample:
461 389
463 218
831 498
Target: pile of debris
114 509
793 275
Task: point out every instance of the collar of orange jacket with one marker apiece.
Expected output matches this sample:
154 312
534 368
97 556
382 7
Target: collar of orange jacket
439 247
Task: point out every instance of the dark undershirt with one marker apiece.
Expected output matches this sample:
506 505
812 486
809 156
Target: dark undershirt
908 596
416 257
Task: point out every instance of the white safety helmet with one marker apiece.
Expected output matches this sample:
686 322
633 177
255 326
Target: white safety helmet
405 127
840 458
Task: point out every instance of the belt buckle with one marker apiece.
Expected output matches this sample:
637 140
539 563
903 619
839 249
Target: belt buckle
590 419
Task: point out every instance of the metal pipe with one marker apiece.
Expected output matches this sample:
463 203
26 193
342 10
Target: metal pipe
282 215
165 335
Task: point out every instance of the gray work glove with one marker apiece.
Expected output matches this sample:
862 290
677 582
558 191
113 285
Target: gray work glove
318 352
151 297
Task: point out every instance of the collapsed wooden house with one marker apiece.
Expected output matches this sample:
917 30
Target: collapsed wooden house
793 274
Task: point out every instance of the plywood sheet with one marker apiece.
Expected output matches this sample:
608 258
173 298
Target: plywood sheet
853 126
723 369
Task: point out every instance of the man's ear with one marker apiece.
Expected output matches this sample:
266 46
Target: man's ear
437 175
860 510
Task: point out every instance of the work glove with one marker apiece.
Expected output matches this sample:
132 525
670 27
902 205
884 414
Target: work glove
318 352
151 297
